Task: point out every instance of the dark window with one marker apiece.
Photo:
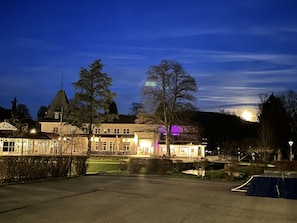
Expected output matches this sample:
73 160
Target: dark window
8 146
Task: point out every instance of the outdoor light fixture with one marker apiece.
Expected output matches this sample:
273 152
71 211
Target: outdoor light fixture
291 154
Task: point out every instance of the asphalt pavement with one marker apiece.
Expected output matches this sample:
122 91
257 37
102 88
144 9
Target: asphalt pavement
137 198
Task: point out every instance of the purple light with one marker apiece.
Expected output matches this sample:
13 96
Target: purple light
175 130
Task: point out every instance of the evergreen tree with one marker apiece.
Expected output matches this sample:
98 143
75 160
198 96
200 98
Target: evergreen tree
42 112
113 109
274 126
92 99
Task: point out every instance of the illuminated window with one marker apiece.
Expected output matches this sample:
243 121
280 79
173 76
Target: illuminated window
8 146
126 145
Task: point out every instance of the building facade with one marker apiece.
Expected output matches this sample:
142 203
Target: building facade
121 137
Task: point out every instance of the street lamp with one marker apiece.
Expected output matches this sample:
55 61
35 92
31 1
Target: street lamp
291 154
73 128
61 141
33 131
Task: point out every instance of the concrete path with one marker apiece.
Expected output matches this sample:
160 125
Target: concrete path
140 199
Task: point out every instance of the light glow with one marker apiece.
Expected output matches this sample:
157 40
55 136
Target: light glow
246 115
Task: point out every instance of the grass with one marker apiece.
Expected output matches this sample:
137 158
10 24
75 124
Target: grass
117 165
99 165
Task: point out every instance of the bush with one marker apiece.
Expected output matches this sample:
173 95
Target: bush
150 165
257 168
216 174
25 168
286 166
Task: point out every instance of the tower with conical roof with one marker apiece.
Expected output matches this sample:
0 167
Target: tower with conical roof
59 107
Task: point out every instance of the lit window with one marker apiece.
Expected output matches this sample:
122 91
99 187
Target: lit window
126 145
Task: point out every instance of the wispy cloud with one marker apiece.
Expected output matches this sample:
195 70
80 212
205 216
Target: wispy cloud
36 44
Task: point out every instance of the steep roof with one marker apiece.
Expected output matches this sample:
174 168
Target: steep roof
59 104
124 119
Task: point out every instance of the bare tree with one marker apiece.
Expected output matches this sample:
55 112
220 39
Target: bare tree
92 99
289 100
23 112
135 108
167 92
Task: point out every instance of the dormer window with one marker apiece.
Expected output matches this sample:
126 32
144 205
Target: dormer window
106 130
57 115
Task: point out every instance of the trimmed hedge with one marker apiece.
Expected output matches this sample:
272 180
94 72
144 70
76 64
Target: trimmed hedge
26 168
150 165
286 165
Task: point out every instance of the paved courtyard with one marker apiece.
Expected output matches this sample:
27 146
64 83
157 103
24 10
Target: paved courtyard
111 198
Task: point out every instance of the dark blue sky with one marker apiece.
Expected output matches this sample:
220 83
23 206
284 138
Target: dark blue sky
236 50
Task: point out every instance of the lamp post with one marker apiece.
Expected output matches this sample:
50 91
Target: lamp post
59 115
73 128
291 154
33 131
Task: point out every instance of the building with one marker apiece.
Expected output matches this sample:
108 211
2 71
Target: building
14 142
120 137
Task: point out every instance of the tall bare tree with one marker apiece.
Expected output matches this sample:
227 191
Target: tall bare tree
167 92
92 99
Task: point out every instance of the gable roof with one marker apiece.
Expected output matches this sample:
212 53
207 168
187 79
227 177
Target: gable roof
5 126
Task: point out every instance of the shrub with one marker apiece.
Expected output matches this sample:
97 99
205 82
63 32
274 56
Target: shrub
286 166
24 168
216 174
150 165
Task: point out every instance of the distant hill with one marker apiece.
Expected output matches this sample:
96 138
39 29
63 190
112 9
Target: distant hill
218 124
221 128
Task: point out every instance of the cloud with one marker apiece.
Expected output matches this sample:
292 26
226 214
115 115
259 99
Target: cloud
126 57
36 44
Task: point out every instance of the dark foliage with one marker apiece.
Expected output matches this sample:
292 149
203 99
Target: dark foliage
150 165
274 125
4 113
226 131
26 168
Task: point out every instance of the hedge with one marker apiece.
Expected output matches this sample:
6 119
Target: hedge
27 168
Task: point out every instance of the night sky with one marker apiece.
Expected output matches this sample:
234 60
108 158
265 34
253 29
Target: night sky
236 50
